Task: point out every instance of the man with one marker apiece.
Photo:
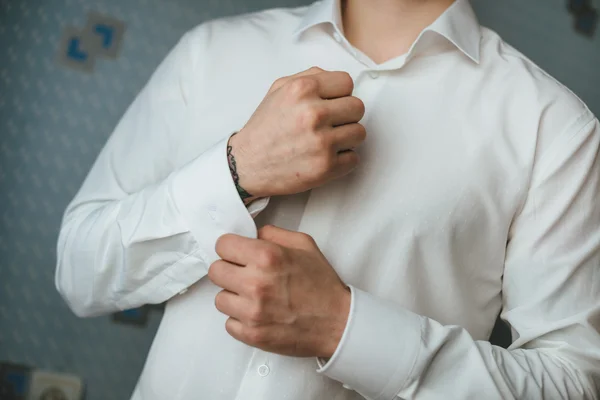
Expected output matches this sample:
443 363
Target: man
422 178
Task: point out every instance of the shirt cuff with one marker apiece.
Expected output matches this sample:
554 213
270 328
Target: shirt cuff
257 206
378 349
207 199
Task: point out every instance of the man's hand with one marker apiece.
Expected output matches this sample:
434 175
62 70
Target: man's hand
301 135
280 292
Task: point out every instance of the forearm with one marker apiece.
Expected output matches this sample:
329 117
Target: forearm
119 250
113 255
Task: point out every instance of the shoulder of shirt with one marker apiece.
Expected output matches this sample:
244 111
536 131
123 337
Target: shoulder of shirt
516 69
247 32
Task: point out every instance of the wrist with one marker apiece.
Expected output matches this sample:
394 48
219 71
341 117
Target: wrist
234 155
338 326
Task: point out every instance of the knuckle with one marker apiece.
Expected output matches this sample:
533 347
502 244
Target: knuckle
315 69
279 83
259 289
302 86
256 314
306 238
266 229
319 113
255 335
269 256
312 116
323 165
319 143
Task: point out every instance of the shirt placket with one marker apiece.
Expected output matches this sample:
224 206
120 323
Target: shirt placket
258 377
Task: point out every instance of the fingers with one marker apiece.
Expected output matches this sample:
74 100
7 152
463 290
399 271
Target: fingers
285 238
325 84
308 72
283 80
244 251
275 234
227 276
344 110
238 249
231 304
347 137
345 162
334 84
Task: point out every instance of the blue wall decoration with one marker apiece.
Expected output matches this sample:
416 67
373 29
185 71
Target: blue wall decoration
102 36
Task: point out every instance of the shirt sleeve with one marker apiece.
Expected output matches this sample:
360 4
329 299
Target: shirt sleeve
141 228
551 295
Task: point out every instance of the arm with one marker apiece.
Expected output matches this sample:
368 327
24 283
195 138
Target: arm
141 229
551 291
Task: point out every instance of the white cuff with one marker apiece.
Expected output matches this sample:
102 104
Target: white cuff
206 197
378 349
257 206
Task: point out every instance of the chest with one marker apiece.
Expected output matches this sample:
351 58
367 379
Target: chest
430 203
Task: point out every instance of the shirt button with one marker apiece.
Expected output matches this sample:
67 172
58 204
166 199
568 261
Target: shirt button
264 370
374 74
337 37
346 387
183 291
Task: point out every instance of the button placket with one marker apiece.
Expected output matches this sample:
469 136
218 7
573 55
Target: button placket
257 378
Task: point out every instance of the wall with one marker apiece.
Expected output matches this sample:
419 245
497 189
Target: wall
53 122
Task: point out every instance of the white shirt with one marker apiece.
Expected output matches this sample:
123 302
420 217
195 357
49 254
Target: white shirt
477 192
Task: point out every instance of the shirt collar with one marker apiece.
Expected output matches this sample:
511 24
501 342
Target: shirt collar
458 24
320 12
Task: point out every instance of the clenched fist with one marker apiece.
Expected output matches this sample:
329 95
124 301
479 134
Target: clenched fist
302 135
280 293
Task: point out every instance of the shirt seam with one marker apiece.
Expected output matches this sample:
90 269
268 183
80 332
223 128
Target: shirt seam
512 52
551 152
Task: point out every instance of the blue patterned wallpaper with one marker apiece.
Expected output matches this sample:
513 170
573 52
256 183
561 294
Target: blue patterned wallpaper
53 122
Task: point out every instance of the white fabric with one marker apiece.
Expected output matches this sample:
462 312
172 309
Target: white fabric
477 192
